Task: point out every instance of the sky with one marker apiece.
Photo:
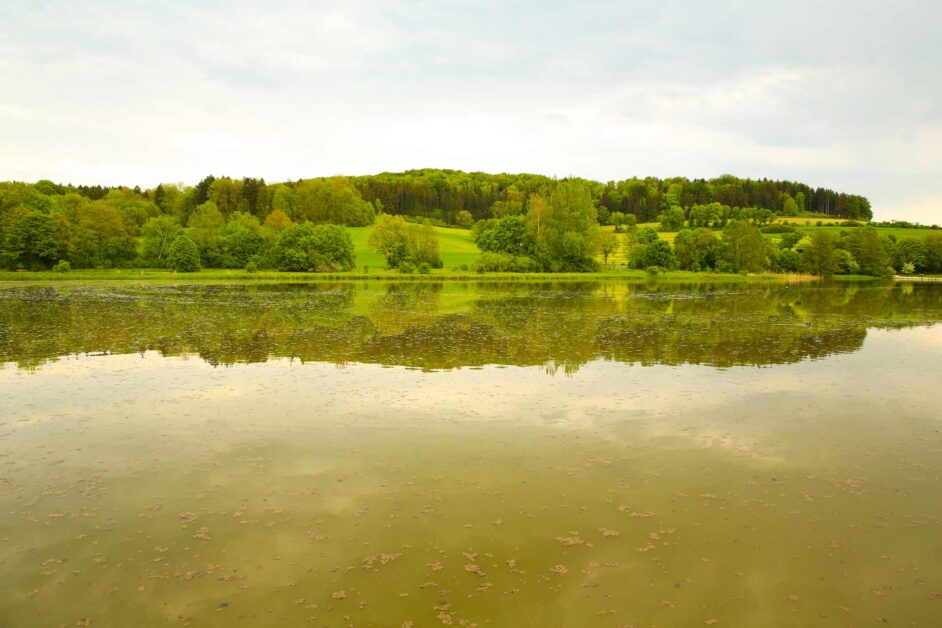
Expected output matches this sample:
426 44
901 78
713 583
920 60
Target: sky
844 95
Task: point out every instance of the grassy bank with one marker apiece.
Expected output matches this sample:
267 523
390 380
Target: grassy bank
224 275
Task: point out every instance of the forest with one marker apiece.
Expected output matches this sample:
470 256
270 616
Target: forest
521 223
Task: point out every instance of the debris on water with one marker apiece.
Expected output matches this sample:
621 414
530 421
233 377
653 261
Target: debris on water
474 568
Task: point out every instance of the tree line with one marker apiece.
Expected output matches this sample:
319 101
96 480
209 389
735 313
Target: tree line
521 222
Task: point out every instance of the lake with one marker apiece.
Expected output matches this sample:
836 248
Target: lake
504 454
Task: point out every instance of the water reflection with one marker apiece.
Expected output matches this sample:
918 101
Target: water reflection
436 326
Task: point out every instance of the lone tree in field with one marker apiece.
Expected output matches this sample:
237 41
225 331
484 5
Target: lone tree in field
607 244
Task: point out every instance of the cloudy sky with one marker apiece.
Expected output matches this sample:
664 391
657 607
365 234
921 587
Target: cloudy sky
838 94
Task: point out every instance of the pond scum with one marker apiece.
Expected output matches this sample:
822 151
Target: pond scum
470 456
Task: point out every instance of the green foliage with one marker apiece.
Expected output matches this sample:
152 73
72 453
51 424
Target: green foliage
62 266
183 256
606 244
868 249
933 244
658 253
743 247
789 206
100 237
464 218
388 237
31 242
422 246
156 235
565 228
399 241
406 267
696 249
239 240
912 252
777 228
502 263
509 235
332 200
203 228
672 218
316 248
96 226
819 257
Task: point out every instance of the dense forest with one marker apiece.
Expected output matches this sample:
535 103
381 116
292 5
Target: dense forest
443 194
521 222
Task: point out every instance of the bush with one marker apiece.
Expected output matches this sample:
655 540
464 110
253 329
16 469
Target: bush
319 248
62 266
777 228
251 267
723 266
501 263
183 255
406 267
654 271
424 268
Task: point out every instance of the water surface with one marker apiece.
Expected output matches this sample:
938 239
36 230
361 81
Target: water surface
507 455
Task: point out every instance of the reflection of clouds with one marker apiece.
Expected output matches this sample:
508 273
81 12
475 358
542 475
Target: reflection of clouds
731 410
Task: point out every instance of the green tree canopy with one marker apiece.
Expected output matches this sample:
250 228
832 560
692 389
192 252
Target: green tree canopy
183 256
743 247
316 248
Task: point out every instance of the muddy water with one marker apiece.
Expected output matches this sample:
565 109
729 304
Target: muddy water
558 455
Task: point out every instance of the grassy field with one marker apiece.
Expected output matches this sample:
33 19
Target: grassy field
808 220
831 225
899 234
457 247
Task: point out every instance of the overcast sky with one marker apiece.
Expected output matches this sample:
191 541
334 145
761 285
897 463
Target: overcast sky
838 94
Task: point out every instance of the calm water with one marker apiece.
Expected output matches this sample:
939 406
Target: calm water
504 455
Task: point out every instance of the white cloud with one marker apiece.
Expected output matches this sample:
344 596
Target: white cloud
835 95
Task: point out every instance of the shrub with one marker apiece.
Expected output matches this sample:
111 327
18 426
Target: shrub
62 266
406 267
501 263
424 268
319 248
777 228
251 267
183 255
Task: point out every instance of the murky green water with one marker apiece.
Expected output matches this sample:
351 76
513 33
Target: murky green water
505 455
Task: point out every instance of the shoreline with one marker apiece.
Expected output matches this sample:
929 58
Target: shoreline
95 276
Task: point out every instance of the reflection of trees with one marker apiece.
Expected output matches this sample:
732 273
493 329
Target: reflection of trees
558 326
